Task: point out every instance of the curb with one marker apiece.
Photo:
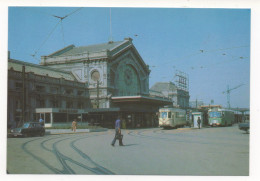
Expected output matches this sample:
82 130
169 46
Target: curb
56 131
98 130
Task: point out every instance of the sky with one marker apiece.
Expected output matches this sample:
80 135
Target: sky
212 45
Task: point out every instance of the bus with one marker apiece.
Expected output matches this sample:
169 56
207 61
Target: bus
221 117
172 118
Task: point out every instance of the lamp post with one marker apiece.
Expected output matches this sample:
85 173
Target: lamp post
24 95
97 100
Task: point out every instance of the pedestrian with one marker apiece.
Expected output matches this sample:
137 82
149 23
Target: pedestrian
199 121
118 133
74 125
41 121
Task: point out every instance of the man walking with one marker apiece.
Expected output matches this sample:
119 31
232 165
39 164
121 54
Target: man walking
118 134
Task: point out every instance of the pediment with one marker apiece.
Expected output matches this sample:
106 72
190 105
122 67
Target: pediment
132 57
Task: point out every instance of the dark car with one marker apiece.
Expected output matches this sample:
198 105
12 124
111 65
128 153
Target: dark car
28 129
245 127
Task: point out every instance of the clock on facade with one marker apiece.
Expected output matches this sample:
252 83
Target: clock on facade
95 75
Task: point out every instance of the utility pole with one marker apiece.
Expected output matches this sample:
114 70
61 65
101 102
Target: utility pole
228 93
97 94
228 97
24 95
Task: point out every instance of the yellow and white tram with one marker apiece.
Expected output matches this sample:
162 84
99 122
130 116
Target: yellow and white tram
172 117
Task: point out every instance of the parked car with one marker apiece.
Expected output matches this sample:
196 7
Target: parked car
245 127
28 129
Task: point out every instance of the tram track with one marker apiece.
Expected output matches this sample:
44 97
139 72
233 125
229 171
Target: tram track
63 159
98 168
42 161
91 153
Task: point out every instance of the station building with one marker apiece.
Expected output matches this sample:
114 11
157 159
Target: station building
94 83
32 86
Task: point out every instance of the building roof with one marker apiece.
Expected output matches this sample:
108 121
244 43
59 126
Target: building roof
163 86
110 50
73 50
39 70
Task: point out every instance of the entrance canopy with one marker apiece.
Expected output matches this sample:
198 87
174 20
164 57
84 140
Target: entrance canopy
141 99
140 103
75 111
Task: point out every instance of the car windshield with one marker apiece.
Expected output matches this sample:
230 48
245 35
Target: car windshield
26 125
214 114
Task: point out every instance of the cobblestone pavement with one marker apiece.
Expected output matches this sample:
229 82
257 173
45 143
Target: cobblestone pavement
184 151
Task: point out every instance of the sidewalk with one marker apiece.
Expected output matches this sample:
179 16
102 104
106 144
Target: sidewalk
69 131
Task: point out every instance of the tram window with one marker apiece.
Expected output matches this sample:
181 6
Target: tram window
180 115
169 115
214 114
163 114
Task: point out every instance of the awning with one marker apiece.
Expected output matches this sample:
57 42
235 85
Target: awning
141 99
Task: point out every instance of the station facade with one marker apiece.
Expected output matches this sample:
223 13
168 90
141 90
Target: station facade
93 83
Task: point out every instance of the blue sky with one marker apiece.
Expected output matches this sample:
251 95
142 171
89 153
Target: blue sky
168 39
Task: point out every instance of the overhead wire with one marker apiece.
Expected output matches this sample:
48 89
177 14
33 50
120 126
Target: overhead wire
233 58
62 31
62 18
73 12
201 51
221 49
46 39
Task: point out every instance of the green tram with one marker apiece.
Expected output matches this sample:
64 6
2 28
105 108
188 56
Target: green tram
172 118
221 117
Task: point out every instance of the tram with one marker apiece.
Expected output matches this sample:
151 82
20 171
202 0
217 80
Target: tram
172 118
221 117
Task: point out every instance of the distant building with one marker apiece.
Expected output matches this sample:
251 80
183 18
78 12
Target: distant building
210 106
179 97
196 103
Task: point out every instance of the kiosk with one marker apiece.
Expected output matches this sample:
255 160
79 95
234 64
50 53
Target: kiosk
195 116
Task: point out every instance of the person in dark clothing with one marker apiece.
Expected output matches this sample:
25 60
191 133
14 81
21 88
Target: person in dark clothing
118 134
41 121
199 121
